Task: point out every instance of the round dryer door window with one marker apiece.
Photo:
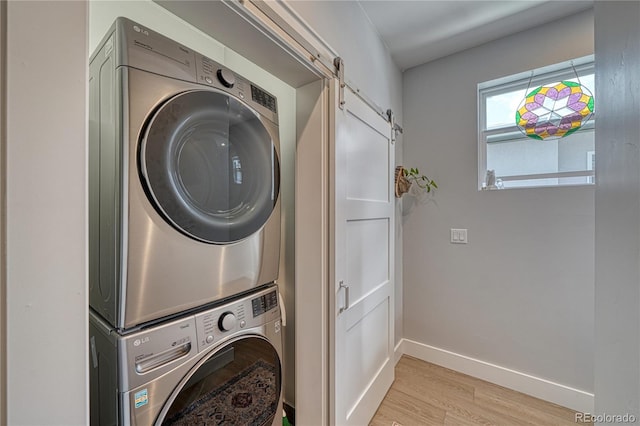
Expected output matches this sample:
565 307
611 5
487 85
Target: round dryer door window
210 166
239 384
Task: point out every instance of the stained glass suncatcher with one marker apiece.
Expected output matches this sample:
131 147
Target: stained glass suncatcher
555 111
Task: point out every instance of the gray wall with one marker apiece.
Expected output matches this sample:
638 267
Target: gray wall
368 64
46 270
369 67
520 294
617 207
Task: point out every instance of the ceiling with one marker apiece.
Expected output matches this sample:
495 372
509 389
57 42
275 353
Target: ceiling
420 31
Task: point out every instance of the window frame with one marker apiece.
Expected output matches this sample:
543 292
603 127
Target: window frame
523 81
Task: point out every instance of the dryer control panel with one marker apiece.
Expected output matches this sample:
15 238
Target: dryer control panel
211 73
149 50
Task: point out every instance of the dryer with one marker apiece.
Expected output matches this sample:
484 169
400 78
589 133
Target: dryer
218 366
184 206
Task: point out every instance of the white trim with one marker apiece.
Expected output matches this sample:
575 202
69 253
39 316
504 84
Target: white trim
3 209
547 390
559 175
297 44
538 75
591 155
312 255
398 351
303 33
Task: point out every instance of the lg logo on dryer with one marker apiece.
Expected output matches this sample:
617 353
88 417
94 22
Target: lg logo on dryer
140 30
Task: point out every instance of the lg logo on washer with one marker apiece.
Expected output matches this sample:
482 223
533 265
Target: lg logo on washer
139 342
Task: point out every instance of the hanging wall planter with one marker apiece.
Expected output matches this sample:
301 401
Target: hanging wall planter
405 178
402 183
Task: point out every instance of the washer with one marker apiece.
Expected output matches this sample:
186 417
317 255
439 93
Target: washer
184 206
219 366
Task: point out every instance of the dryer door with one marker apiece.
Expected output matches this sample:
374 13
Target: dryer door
239 384
210 166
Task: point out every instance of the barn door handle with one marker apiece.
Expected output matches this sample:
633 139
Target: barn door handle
346 297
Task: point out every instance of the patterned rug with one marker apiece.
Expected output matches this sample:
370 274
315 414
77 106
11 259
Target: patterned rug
249 398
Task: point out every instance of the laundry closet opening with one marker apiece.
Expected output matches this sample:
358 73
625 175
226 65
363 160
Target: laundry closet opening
247 41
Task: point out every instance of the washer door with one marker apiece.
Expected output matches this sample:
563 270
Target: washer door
239 384
210 166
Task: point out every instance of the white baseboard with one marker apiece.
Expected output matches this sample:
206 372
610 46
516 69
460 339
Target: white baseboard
540 388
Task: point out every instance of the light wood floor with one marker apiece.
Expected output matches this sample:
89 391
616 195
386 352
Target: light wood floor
425 394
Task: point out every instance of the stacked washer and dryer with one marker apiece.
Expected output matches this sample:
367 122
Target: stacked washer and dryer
184 227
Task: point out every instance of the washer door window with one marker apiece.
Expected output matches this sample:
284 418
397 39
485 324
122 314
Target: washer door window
210 166
237 385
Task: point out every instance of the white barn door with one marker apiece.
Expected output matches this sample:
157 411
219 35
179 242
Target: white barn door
362 269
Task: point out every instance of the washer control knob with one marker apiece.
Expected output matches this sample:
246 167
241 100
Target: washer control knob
209 338
226 77
227 321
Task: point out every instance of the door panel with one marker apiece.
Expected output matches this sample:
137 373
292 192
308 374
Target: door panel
367 359
367 254
362 260
367 155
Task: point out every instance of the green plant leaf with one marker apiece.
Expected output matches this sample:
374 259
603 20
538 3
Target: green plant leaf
412 174
571 83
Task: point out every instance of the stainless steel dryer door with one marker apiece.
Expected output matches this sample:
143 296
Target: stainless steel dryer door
210 166
239 384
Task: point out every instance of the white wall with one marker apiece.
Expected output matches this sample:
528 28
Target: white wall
47 313
369 67
145 12
520 294
617 207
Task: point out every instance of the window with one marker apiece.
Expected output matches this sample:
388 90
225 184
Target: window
519 161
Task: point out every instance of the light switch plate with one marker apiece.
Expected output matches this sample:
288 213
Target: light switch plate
458 236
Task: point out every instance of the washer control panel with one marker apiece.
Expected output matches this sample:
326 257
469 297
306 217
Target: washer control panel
264 303
149 353
227 321
251 311
152 352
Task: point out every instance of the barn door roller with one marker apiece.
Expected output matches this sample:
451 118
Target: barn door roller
388 115
395 127
339 64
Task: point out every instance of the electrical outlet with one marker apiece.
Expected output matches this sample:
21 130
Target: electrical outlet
458 236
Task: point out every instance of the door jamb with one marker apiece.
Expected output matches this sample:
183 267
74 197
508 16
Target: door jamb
3 210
